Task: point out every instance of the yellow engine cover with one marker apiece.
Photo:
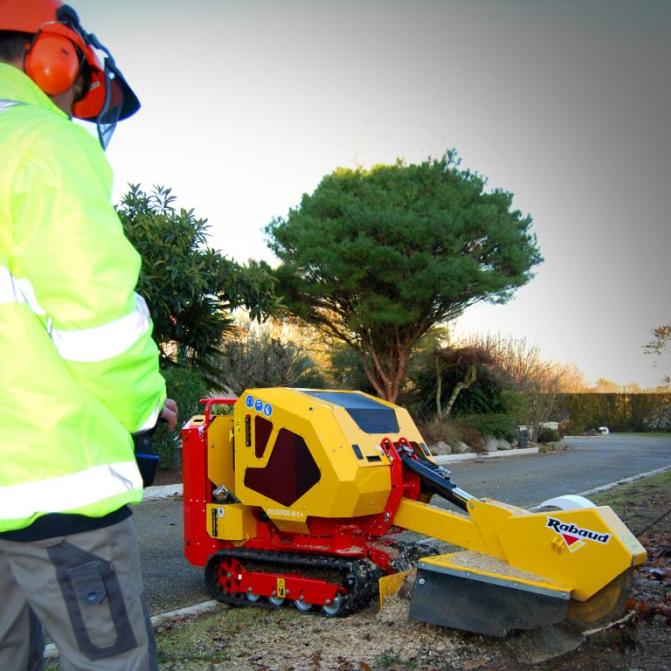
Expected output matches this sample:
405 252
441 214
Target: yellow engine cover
302 452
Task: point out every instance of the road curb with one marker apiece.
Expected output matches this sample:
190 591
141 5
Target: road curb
467 456
196 609
51 651
624 481
612 485
163 491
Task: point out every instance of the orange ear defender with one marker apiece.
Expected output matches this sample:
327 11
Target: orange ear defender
60 50
52 61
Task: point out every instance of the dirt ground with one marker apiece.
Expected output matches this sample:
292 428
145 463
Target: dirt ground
252 639
168 476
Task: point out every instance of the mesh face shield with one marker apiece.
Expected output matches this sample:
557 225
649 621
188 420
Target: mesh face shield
107 98
113 106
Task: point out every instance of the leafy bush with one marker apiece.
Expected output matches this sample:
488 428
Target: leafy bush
187 387
568 427
451 432
435 431
547 435
189 287
472 437
499 425
490 391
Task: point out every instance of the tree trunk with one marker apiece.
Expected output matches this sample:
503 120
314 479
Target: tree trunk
468 381
439 389
387 371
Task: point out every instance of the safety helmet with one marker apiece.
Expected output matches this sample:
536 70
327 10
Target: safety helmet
60 50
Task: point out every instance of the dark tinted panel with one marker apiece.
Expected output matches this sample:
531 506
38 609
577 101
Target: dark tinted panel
262 430
291 470
369 415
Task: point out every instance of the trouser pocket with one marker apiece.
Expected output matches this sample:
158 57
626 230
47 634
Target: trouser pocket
94 601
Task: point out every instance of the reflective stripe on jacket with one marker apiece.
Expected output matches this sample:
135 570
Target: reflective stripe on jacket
78 369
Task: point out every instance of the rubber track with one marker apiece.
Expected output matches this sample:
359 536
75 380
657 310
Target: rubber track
360 576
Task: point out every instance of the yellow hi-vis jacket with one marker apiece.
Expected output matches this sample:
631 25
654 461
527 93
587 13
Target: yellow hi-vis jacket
78 368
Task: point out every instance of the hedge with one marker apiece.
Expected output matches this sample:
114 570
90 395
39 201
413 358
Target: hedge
499 425
619 412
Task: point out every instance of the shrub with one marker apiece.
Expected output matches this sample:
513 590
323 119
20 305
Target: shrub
499 425
435 431
187 387
547 435
472 437
264 361
567 428
490 392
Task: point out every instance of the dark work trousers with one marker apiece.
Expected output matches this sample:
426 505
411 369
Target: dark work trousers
86 591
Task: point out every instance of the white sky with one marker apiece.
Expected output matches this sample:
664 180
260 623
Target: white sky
248 104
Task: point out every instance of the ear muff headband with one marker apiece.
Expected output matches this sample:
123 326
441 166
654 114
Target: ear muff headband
52 60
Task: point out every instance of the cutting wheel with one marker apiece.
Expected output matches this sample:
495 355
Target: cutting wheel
605 605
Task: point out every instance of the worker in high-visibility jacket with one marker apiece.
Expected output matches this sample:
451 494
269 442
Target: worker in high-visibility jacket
78 368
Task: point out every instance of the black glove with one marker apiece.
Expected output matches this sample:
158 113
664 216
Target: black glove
146 455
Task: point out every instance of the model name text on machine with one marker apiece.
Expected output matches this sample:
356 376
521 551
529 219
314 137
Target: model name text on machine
283 512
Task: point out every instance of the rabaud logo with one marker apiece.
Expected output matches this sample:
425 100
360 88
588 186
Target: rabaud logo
574 536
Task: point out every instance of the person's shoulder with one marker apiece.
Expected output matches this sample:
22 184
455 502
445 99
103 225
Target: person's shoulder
44 130
52 142
73 135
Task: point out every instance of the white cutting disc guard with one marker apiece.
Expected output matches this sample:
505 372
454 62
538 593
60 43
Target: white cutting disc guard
568 502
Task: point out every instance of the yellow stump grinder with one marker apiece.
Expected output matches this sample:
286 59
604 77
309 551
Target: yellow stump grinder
298 495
